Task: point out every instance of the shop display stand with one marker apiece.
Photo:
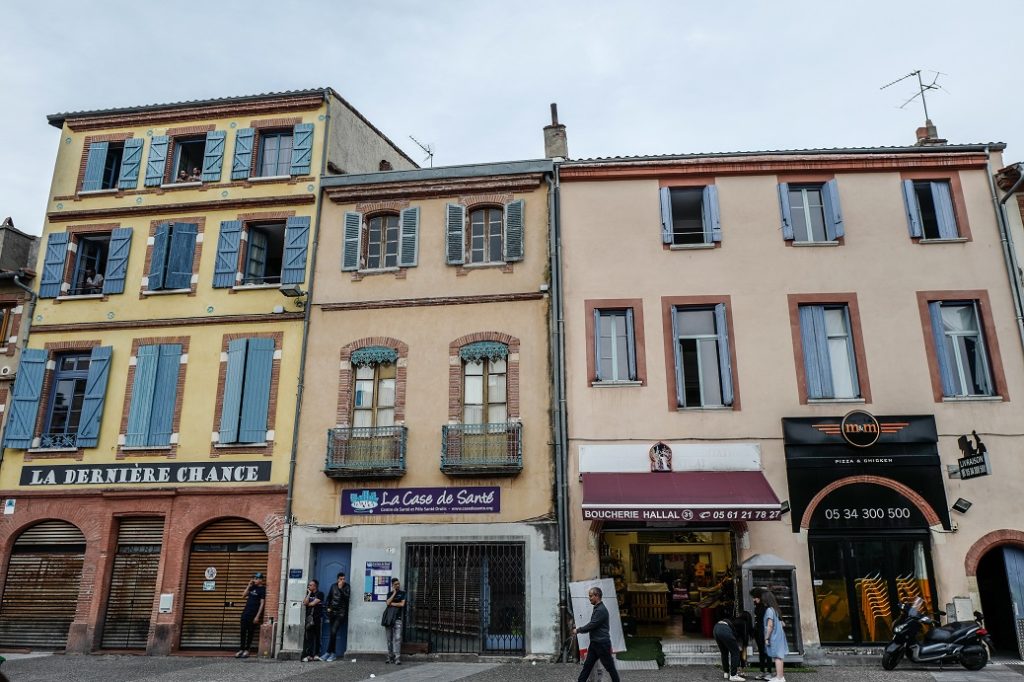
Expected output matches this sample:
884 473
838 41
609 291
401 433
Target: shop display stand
779 576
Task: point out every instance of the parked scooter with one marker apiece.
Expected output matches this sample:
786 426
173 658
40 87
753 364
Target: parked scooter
963 642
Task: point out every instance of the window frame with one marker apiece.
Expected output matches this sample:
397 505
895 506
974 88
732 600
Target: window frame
249 228
174 157
456 387
710 212
58 375
591 307
383 243
347 378
488 237
266 448
486 403
668 305
990 343
197 252
956 191
375 406
848 299
170 450
275 133
78 268
112 138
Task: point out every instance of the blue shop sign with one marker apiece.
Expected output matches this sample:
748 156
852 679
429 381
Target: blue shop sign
451 500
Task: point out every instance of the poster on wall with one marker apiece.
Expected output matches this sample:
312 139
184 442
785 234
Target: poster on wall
582 608
377 581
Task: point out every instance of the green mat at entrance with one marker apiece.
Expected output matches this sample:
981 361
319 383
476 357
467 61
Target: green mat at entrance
643 649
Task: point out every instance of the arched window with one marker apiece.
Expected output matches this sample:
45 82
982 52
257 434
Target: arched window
485 236
373 401
484 383
381 246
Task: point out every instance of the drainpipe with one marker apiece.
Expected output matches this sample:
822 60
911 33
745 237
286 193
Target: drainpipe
301 386
1009 254
559 416
32 298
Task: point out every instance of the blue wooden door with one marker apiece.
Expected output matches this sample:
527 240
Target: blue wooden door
328 561
1014 558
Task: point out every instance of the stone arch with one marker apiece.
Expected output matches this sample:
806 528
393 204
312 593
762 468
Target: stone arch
918 501
987 542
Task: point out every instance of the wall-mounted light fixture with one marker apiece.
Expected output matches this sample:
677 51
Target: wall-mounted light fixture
784 507
961 505
293 291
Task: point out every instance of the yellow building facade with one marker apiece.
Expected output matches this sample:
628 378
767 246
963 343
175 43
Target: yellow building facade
148 439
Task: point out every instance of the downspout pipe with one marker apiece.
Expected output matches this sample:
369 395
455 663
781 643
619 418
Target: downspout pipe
32 298
559 412
1006 238
301 387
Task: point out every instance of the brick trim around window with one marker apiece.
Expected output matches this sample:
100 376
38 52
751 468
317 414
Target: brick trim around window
669 302
473 202
248 219
850 301
455 373
52 349
346 377
267 125
172 451
175 135
979 296
963 225
9 343
74 231
275 378
200 222
89 139
640 347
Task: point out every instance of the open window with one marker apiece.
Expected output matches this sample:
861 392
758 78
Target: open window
188 159
90 264
690 216
264 253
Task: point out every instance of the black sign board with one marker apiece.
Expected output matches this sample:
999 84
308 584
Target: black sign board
974 462
866 505
175 474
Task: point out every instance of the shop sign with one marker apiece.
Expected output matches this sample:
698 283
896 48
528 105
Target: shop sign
974 462
134 474
466 500
682 514
861 429
866 505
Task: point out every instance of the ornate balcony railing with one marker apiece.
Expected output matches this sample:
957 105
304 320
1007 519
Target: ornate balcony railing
58 440
366 452
482 449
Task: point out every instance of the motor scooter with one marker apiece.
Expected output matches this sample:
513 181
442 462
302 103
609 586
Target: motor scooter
963 642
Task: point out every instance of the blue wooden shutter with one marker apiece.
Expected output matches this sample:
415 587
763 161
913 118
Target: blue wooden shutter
28 387
157 161
225 272
53 265
787 215
351 249
409 243
710 215
513 246
677 356
231 408
179 256
213 156
165 394
241 161
95 391
455 234
724 359
665 197
939 337
944 214
630 345
158 257
302 148
94 165
834 228
141 409
913 211
117 260
131 161
256 392
852 354
814 339
597 345
296 241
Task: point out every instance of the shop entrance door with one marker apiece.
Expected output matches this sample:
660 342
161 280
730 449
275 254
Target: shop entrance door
859 582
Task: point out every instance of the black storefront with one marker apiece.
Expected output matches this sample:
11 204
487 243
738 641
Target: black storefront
867 490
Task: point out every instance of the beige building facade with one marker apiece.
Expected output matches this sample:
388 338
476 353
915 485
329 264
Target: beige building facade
778 367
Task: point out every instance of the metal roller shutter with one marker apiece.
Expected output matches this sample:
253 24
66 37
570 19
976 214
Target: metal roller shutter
236 548
44 578
133 584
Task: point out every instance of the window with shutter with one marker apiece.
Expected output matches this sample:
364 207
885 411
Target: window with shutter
961 349
88 274
702 356
103 165
615 346
171 257
247 385
830 363
154 393
484 236
274 158
930 209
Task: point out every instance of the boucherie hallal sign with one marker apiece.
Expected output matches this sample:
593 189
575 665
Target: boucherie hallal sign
139 474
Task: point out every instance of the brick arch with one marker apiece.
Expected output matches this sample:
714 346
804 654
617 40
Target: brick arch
207 521
929 514
455 372
346 379
990 541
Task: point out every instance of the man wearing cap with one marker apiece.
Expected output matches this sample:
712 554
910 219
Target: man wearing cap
255 597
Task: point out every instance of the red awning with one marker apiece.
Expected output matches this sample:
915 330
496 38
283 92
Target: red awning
680 496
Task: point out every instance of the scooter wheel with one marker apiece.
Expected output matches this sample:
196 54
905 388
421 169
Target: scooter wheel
974 660
890 659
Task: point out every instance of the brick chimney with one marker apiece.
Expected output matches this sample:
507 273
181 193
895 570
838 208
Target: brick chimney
556 146
928 135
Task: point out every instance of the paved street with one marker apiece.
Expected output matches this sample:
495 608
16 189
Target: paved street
61 668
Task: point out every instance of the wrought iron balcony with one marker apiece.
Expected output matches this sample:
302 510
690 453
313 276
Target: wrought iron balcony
482 449
58 440
366 452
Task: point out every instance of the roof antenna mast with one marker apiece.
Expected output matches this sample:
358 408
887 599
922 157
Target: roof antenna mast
427 149
922 88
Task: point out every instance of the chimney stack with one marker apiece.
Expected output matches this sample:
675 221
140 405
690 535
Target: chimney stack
928 135
556 146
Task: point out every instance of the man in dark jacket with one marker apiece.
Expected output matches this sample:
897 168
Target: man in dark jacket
763 661
337 613
600 638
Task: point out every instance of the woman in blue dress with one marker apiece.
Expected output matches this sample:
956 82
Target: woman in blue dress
774 635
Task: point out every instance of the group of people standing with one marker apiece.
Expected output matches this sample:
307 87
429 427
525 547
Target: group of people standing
733 635
336 604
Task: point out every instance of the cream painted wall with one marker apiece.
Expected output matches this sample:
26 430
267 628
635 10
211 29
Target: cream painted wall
612 249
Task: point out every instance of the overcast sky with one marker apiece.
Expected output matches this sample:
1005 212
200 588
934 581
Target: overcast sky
474 78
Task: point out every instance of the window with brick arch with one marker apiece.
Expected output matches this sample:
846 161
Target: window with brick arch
485 398
382 232
374 400
485 235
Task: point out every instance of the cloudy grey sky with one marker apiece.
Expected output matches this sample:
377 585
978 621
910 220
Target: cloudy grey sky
473 78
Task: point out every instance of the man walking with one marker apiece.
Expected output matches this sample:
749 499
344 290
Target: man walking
255 597
600 638
337 613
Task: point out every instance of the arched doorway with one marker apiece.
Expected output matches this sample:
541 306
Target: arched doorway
44 576
132 592
1001 588
224 556
870 550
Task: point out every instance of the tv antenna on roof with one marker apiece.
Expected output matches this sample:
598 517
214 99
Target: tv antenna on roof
922 88
427 149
